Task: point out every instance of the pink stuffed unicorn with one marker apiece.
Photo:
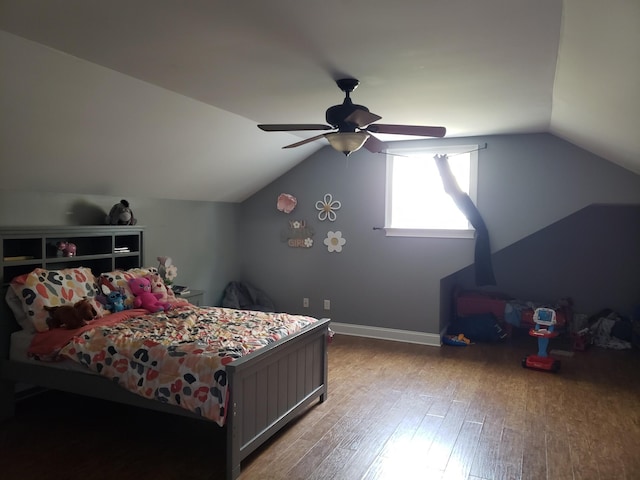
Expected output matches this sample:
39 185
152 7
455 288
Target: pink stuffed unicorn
66 249
144 298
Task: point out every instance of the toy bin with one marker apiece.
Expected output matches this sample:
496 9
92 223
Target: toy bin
581 340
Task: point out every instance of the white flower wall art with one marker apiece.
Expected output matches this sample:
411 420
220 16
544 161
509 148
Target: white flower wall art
327 208
334 241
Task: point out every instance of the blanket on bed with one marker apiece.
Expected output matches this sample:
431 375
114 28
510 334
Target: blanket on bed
176 357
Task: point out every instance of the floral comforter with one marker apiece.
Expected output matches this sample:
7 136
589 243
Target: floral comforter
179 357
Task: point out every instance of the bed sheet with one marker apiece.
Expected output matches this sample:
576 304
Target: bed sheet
18 352
176 357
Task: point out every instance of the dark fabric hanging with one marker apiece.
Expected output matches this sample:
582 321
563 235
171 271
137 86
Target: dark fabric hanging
483 265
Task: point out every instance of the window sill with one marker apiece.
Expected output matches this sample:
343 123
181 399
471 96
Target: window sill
428 233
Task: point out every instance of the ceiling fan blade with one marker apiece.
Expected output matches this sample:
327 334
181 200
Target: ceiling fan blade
289 127
303 142
375 145
362 118
408 130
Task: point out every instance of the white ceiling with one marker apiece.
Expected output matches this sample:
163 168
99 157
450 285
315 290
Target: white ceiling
486 67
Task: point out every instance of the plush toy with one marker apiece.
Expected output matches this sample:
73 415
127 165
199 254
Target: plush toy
121 214
158 286
141 288
112 299
71 316
66 249
115 301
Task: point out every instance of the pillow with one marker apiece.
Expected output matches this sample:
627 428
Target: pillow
15 304
119 279
53 288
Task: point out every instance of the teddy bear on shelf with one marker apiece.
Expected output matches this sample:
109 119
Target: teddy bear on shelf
144 298
121 214
71 316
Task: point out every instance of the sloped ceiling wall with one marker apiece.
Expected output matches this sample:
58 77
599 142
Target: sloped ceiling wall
171 92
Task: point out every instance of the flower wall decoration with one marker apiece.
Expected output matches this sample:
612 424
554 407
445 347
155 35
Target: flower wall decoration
327 207
167 270
286 202
334 241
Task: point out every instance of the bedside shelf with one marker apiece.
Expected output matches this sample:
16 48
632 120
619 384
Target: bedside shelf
22 249
195 297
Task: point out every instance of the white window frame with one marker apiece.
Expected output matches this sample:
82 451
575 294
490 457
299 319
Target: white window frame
431 151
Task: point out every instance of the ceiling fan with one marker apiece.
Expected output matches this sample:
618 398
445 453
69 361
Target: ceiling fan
352 126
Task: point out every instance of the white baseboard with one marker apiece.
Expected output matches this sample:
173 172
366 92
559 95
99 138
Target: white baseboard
396 335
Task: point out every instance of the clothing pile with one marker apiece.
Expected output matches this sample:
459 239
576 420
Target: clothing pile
610 330
243 296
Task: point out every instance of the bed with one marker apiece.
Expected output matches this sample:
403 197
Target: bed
250 372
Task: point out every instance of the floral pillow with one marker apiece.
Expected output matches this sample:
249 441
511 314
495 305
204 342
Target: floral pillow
119 279
53 288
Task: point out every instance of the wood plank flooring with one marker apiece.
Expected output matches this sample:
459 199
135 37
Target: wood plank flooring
394 411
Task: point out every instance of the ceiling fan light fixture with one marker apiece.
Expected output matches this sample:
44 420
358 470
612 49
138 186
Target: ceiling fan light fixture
347 142
352 126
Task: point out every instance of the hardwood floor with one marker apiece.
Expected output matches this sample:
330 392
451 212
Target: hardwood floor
395 411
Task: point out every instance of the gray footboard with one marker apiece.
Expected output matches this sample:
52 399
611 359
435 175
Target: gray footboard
268 388
272 386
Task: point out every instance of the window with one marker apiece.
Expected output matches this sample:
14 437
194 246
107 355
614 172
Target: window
416 203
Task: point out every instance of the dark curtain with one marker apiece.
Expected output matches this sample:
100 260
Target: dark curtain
483 266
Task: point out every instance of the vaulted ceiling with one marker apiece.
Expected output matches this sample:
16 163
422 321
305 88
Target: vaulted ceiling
571 68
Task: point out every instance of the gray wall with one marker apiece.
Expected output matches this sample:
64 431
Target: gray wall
200 237
591 256
526 182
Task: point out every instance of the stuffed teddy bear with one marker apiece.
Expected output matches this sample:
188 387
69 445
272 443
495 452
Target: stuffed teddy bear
121 214
141 288
66 249
71 316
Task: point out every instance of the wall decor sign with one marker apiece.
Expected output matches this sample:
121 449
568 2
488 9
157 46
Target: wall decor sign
286 202
334 241
298 235
327 208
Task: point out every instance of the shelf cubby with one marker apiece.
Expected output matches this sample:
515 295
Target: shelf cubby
101 248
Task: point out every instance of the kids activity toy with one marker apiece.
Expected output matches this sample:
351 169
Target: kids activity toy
544 330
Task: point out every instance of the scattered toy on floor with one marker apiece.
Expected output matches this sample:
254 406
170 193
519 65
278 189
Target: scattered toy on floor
456 340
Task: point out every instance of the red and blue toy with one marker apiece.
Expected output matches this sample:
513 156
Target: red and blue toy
544 330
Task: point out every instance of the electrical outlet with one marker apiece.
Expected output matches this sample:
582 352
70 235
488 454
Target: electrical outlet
305 302
327 304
